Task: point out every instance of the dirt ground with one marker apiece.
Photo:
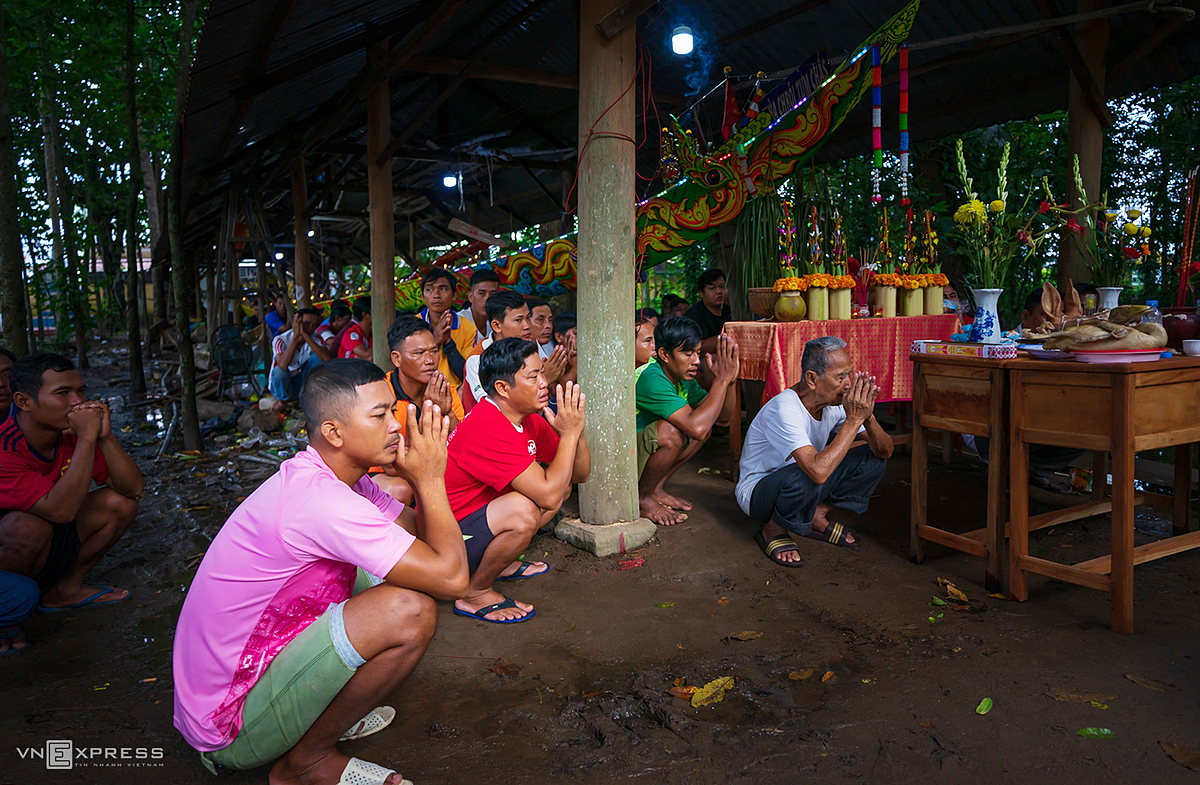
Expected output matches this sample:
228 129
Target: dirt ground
580 694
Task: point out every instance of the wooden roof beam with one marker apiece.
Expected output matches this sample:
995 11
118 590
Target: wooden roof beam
770 21
496 72
1147 46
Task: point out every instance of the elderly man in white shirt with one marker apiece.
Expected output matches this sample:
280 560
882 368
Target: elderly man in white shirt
799 462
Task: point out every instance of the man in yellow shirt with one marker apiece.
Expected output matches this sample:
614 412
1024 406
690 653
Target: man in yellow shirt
455 335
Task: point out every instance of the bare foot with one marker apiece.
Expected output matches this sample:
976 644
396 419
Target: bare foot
649 508
820 523
773 531
473 602
12 640
510 569
669 501
56 598
320 772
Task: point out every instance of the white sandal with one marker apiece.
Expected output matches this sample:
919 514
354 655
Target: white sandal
361 772
376 720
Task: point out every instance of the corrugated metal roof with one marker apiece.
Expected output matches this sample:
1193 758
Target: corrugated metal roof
953 88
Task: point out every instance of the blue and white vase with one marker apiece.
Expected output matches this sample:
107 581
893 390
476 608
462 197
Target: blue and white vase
986 327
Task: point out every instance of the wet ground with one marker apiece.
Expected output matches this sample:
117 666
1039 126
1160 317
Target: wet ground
856 676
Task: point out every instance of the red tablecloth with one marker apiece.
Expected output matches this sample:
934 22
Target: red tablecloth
771 351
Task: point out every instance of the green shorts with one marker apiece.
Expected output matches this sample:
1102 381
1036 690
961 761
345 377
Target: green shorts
647 444
291 694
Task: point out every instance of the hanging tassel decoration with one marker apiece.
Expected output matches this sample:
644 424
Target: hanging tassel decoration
904 124
876 121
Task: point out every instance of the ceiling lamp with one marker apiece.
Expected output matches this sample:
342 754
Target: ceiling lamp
449 181
682 41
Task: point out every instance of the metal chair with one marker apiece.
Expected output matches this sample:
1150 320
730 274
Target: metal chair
233 359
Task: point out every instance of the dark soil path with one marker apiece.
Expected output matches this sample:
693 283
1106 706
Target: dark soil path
580 694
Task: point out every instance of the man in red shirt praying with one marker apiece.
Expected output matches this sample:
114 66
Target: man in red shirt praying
511 465
52 527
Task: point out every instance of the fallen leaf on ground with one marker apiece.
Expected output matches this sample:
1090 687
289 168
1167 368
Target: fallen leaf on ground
1078 696
1150 684
829 676
744 635
1184 756
713 692
989 649
938 601
683 692
591 694
504 668
664 605
1098 704
801 674
1095 733
998 596
723 601
629 564
679 682
924 722
984 706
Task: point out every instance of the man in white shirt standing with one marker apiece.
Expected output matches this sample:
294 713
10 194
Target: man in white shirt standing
296 353
793 473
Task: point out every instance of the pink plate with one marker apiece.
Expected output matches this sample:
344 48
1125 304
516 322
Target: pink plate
1100 356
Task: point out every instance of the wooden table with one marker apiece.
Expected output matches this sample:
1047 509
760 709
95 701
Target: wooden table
1118 409
961 395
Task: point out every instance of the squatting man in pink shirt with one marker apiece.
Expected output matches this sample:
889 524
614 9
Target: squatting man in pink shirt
287 638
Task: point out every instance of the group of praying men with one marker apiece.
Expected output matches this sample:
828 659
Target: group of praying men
424 483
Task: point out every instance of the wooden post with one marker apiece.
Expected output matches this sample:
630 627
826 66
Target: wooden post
300 209
1085 132
383 218
605 264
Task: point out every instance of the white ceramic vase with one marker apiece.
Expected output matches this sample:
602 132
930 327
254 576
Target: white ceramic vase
1109 296
986 327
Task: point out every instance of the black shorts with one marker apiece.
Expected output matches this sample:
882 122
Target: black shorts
64 550
476 535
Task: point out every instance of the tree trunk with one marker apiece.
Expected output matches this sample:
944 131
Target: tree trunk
46 108
137 376
187 360
13 294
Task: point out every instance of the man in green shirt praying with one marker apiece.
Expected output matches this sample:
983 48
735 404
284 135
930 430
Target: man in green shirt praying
675 415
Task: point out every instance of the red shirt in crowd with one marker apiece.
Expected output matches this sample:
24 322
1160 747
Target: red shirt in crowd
352 337
487 452
26 476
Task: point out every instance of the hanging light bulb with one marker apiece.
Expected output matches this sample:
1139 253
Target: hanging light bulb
312 232
449 180
682 41
279 255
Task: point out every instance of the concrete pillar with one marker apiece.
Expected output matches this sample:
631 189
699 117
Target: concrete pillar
605 265
383 219
1085 132
300 208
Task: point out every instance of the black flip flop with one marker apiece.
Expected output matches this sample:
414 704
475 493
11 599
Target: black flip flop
523 572
481 614
778 545
836 534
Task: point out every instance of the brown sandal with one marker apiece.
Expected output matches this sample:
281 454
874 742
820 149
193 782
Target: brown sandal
836 534
780 544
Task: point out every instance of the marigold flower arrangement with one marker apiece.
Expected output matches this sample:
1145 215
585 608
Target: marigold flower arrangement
792 283
886 279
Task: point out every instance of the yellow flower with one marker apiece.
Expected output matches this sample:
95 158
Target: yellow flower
1110 217
1145 231
997 206
1133 214
1131 229
971 213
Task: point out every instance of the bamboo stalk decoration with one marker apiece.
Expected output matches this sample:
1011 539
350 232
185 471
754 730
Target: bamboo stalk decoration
876 122
903 54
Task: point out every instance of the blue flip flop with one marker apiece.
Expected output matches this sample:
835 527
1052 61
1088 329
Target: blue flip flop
481 614
521 572
94 600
